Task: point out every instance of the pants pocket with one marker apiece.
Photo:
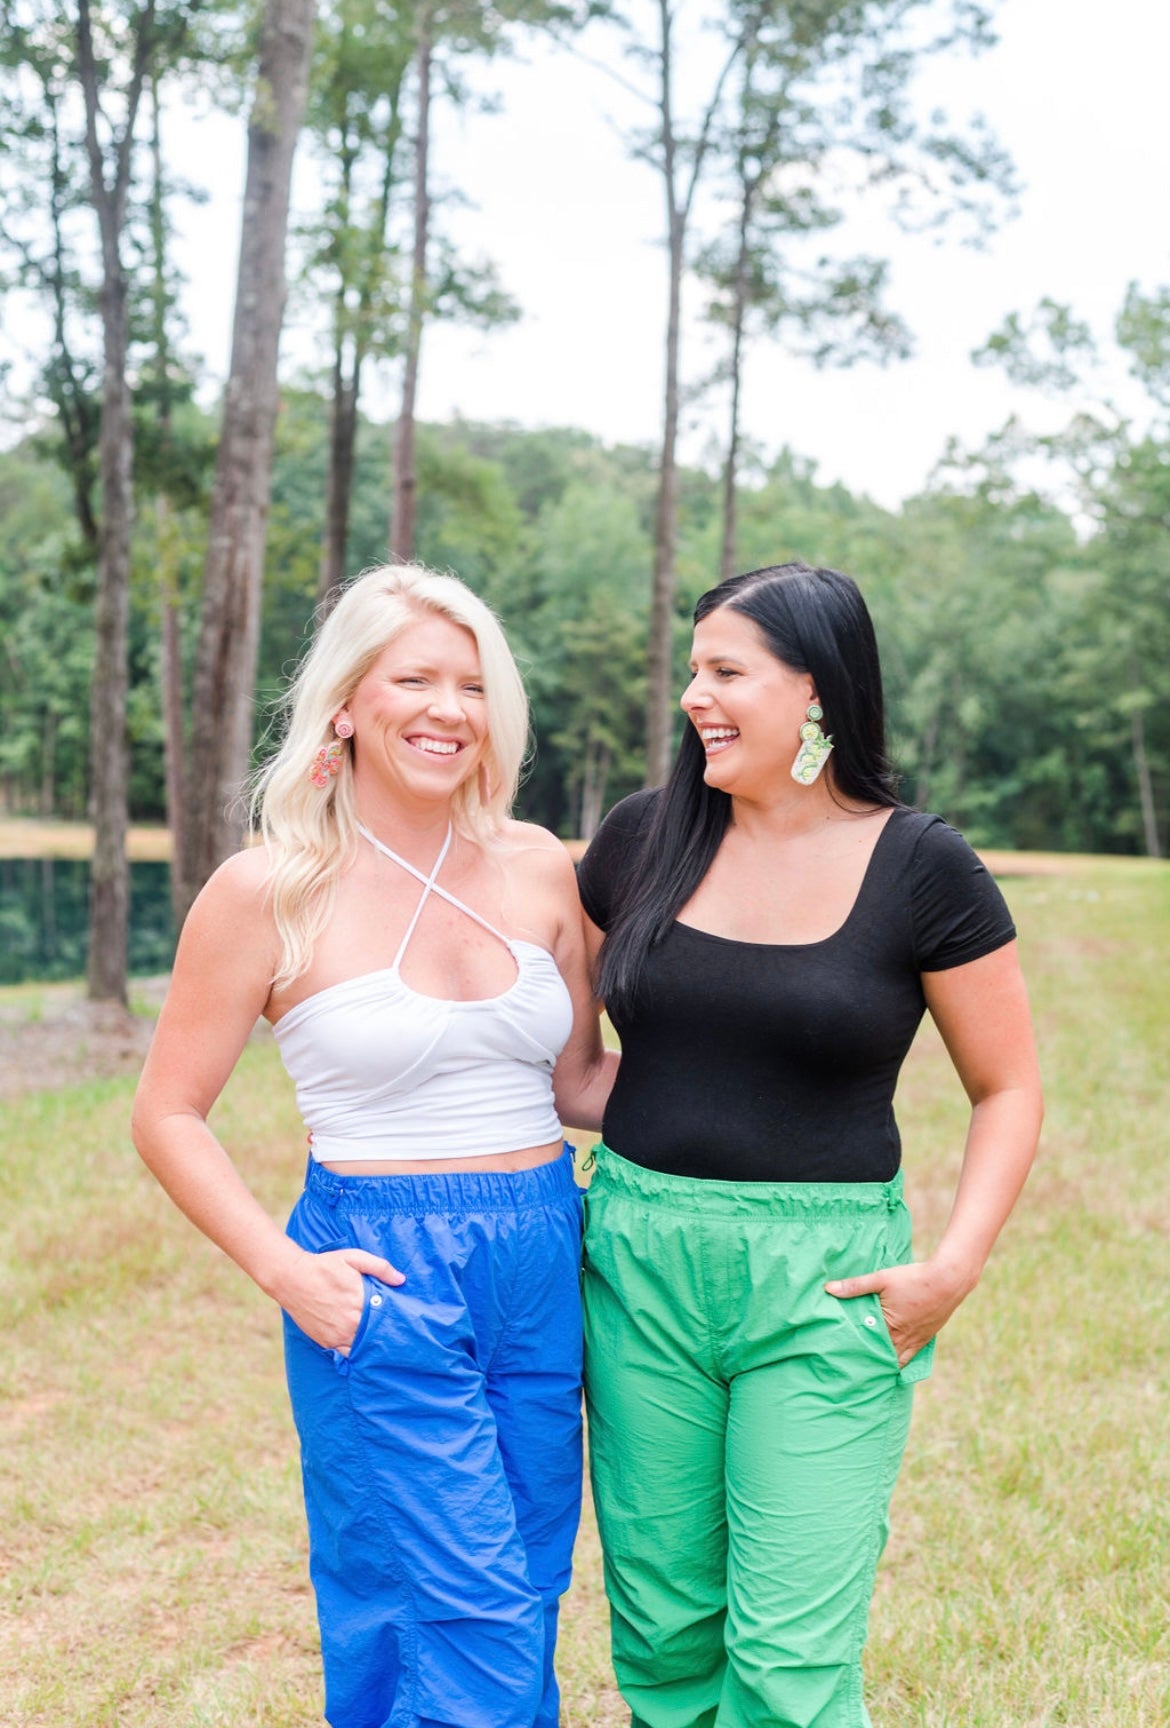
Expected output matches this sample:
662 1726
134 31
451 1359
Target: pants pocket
301 1231
371 1300
920 1364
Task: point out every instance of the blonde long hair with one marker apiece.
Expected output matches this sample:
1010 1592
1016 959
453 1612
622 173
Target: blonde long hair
311 832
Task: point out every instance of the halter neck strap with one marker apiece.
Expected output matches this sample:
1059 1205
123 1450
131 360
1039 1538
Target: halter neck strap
430 886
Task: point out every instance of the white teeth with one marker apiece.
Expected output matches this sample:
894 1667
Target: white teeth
716 734
436 746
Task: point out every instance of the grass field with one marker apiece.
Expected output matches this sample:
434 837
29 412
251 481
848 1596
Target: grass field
151 1537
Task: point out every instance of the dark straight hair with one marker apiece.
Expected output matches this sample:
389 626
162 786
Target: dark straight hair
815 621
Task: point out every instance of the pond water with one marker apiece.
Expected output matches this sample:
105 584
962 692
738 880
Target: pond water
44 914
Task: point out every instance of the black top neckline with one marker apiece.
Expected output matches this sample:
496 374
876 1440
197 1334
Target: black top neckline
750 1062
821 941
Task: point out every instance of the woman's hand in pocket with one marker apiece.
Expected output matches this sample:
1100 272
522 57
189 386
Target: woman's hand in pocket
326 1295
917 1301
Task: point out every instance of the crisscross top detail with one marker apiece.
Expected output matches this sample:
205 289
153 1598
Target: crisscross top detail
383 1071
430 886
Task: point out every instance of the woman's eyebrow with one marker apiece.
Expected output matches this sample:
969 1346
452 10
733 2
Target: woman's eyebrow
430 668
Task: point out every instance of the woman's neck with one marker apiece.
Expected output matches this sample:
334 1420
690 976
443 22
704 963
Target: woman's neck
414 830
793 813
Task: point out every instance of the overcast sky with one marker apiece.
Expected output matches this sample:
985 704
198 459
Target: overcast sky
1076 91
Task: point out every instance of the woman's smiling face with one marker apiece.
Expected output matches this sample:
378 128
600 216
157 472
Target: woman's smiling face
746 705
419 714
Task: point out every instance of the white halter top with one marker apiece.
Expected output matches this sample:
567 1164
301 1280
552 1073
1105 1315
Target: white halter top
382 1071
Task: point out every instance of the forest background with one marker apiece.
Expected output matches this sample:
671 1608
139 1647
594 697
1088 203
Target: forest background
163 557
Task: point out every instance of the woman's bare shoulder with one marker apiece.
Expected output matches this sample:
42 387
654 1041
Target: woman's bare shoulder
236 893
245 874
527 840
525 835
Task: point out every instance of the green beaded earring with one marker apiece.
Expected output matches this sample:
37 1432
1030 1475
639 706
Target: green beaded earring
814 749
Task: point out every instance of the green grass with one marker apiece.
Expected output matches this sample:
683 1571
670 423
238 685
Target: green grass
151 1532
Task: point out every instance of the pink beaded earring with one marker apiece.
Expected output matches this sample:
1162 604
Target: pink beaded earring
343 728
326 763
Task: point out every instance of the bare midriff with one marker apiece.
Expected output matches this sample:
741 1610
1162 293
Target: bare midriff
528 1159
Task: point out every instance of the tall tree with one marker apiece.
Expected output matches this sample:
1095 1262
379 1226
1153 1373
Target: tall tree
46 640
445 32
355 119
404 500
171 459
1121 484
773 149
225 666
1137 527
45 171
806 52
74 82
110 170
679 153
602 663
375 249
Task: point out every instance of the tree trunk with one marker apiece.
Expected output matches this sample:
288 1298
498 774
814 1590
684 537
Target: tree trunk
109 890
73 404
347 393
593 781
171 671
402 516
1145 782
47 799
342 417
109 895
338 480
660 658
225 667
166 539
727 559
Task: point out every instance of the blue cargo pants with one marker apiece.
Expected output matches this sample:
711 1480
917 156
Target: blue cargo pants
441 1457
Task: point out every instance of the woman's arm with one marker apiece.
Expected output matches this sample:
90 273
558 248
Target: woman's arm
585 1070
219 987
981 1010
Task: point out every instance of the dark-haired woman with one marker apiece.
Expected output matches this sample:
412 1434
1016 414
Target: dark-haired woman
775 923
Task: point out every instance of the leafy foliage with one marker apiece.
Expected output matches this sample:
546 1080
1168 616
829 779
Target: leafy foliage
1017 655
1026 642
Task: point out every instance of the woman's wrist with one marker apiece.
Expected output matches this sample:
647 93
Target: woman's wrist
276 1271
958 1268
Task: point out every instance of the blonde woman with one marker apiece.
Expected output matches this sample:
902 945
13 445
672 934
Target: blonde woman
420 958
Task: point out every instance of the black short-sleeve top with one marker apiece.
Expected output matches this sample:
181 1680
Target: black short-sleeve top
757 1062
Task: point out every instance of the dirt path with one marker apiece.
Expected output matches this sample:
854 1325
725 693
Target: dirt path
56 1037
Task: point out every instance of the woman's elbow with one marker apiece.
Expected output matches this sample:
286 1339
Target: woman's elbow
143 1124
573 1104
150 1118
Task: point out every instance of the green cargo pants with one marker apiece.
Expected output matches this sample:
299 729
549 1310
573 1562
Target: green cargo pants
746 1430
